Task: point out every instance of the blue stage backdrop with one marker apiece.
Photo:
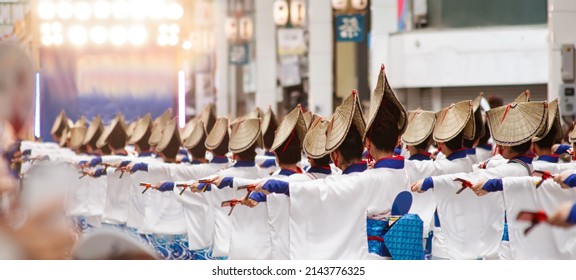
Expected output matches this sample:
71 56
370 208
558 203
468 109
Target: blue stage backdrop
94 82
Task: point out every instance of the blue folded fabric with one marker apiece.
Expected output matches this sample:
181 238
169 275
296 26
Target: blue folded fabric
375 231
82 162
562 149
207 185
571 181
493 185
139 167
99 172
125 163
427 184
166 186
572 216
95 161
268 163
277 186
258 197
226 182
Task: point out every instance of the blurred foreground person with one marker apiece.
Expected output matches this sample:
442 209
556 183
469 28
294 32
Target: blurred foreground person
35 235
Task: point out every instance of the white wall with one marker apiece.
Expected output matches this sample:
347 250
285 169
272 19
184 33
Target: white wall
562 28
320 57
265 34
468 57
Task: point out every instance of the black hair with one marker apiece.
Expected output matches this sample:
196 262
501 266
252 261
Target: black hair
199 151
352 147
290 154
484 139
384 132
425 144
268 138
249 154
456 142
548 140
222 149
143 143
323 161
522 148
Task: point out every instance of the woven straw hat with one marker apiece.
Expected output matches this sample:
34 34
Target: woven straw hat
452 120
198 133
478 114
130 128
348 113
218 133
208 117
170 139
315 141
188 128
244 134
383 91
77 135
517 123
269 121
158 125
94 130
420 126
60 123
294 121
256 114
65 136
553 120
523 97
142 128
115 128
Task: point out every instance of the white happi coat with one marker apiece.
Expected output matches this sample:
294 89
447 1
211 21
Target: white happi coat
223 222
98 189
473 226
198 207
328 216
118 195
163 214
138 201
483 154
543 241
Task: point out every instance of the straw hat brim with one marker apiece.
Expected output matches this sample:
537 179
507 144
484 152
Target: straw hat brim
208 117
94 130
196 136
143 125
452 120
523 97
314 144
420 126
114 127
572 136
477 101
217 135
269 121
517 123
294 121
245 133
170 137
77 135
188 128
59 122
65 136
381 92
553 121
130 129
348 113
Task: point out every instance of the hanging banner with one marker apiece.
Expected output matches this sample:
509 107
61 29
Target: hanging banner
238 54
291 41
350 28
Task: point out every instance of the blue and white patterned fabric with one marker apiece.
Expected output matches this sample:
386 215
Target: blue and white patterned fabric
206 254
172 247
404 238
375 232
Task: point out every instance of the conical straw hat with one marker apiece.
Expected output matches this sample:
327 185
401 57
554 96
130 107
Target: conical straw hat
94 130
81 122
553 121
208 117
572 136
269 121
245 133
294 121
383 91
188 128
218 133
517 123
65 136
60 123
158 125
142 128
348 113
315 142
478 115
523 97
170 138
77 135
420 126
196 136
115 127
477 101
131 127
452 120
256 114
